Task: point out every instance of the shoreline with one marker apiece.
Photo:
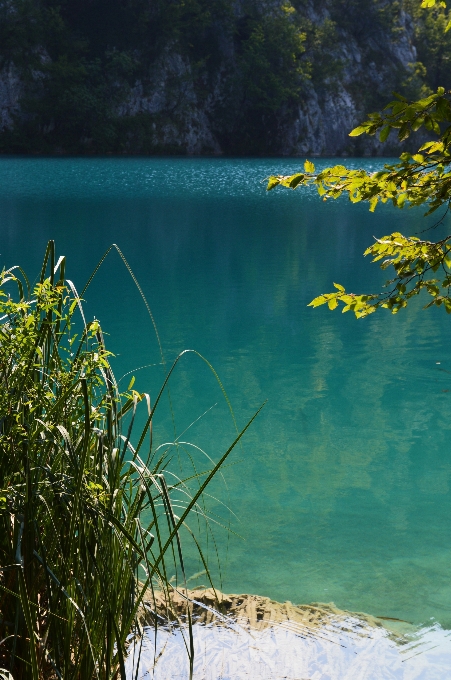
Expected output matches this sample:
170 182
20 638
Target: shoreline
209 606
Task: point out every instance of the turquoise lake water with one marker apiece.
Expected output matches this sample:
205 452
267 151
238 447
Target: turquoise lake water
342 484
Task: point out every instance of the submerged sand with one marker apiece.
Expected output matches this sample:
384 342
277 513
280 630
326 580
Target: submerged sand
255 612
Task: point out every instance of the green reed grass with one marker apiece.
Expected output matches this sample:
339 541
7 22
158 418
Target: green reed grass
76 557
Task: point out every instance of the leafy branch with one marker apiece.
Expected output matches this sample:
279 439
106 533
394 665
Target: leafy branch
422 178
414 261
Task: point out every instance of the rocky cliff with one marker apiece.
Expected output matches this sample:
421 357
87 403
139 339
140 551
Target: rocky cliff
182 101
327 114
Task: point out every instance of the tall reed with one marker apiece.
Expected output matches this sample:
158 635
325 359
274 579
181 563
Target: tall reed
76 557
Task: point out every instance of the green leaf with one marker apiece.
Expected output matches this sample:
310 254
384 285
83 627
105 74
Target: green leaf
359 130
309 167
339 287
384 133
296 179
333 303
404 132
401 200
272 182
416 124
443 110
316 302
131 383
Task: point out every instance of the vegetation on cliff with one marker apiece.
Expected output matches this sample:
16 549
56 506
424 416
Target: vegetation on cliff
248 67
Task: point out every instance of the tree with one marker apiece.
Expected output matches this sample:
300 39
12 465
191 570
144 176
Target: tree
418 179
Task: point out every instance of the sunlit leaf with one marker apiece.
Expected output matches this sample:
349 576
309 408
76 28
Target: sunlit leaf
359 130
272 182
332 303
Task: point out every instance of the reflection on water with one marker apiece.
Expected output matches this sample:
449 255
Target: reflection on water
256 637
344 650
342 485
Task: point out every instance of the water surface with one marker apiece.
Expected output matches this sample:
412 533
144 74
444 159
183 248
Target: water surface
342 485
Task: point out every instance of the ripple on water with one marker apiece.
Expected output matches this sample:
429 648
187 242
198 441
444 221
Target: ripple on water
346 649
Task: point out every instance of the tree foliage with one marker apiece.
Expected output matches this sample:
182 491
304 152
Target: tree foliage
269 77
433 43
418 179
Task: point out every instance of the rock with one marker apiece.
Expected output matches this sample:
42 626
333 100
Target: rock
11 90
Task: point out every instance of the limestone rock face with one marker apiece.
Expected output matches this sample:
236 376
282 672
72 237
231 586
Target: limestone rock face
326 116
11 90
319 127
173 106
169 94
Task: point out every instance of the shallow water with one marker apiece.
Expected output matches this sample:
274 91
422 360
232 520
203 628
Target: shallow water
349 652
341 486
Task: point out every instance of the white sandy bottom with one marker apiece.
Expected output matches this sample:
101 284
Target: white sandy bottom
350 652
